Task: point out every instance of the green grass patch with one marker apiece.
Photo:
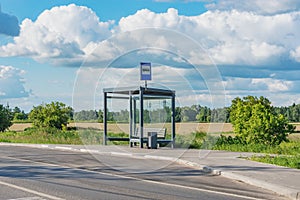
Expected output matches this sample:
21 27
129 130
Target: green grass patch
55 136
288 153
196 140
41 136
285 148
286 161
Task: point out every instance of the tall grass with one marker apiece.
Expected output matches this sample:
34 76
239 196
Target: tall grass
287 153
285 148
196 140
55 136
41 136
287 161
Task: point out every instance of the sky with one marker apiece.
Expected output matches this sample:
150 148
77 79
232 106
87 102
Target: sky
208 51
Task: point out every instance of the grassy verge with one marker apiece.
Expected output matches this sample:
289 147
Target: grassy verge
54 136
287 153
285 148
195 140
41 136
286 161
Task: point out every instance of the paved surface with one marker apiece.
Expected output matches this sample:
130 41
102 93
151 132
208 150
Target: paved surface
282 180
61 174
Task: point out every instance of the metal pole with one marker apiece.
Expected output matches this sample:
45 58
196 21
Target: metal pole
130 119
105 120
134 115
173 121
141 116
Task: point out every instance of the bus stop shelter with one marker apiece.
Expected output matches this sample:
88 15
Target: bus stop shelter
140 94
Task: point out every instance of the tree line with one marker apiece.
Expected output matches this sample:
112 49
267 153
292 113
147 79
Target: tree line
194 113
254 119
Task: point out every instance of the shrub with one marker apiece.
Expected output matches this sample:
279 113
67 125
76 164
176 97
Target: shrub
53 115
255 121
6 117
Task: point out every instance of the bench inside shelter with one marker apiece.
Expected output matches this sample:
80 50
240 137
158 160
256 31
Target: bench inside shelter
148 132
161 132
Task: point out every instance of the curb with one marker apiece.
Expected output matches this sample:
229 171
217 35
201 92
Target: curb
290 193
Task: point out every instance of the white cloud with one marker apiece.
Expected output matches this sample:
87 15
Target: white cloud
68 34
267 7
231 37
295 54
12 83
266 85
273 85
62 32
145 18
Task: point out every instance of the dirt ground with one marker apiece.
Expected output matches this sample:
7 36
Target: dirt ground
181 128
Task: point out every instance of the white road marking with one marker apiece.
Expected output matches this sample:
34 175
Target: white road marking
30 191
29 198
142 180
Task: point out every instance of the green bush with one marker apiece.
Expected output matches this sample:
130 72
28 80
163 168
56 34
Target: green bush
255 121
53 115
6 117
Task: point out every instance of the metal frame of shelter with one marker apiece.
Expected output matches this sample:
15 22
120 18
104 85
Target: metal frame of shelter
134 94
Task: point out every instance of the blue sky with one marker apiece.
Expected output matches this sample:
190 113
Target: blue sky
208 51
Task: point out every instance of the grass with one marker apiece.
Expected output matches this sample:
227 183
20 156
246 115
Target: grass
285 148
90 136
287 161
54 136
41 136
286 154
196 140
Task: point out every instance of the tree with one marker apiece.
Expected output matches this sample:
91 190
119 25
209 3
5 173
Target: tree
19 114
86 115
255 121
189 113
6 117
177 114
100 116
55 115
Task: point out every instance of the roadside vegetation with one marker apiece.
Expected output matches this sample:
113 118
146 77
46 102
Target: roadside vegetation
258 127
55 136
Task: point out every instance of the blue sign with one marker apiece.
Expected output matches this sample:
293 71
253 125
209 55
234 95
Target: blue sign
146 74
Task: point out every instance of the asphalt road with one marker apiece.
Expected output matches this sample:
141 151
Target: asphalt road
34 174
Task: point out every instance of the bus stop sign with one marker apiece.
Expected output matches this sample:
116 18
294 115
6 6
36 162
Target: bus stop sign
145 69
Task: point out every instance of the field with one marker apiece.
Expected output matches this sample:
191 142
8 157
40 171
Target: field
181 128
